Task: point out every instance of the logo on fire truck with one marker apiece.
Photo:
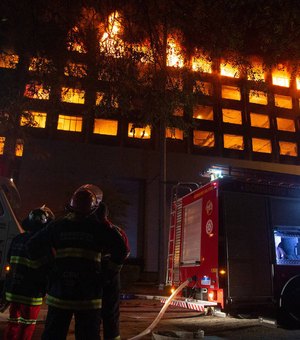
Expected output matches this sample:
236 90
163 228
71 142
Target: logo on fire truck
209 226
209 207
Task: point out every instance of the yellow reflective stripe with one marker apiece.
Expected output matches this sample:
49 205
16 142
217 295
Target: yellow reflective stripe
32 301
14 320
27 321
73 304
79 252
25 261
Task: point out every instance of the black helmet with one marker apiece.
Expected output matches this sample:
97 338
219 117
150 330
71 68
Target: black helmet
83 202
94 189
38 218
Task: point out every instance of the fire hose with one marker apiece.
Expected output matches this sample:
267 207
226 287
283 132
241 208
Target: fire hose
162 311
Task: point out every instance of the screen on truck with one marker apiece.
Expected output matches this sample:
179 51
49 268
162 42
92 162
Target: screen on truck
287 245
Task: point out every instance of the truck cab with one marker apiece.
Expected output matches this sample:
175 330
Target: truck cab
9 225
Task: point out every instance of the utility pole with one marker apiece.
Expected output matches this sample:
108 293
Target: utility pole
162 203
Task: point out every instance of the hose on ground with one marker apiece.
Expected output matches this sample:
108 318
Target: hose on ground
162 311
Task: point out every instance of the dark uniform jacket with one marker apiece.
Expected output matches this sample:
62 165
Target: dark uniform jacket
76 279
26 281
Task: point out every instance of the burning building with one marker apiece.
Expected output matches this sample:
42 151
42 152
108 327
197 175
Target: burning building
94 115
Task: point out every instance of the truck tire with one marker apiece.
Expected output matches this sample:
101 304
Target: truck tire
289 310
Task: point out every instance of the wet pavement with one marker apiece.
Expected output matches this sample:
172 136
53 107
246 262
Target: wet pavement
138 313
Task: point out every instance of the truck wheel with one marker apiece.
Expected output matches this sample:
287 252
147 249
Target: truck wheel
289 312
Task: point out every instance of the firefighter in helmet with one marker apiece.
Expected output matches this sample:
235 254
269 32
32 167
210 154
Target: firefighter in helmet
112 286
25 285
76 280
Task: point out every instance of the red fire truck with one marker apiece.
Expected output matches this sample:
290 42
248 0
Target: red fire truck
238 238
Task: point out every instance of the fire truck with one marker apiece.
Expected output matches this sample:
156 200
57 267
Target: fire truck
9 225
238 237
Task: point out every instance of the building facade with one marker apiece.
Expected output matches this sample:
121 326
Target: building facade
239 119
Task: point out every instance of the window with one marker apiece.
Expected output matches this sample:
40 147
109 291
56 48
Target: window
35 90
235 142
139 132
227 69
202 64
99 98
231 92
232 116
2 143
286 242
38 64
74 41
256 70
75 70
107 100
8 60
283 101
178 112
203 112
69 123
288 148
280 76
174 53
70 95
34 119
19 148
174 133
258 97
110 43
203 87
204 139
260 120
105 127
286 124
261 145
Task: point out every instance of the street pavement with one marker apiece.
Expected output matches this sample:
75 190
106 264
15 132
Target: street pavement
137 314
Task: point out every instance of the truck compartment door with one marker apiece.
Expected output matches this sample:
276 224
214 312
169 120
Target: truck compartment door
245 218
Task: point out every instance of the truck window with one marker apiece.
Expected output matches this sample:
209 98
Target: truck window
287 245
191 246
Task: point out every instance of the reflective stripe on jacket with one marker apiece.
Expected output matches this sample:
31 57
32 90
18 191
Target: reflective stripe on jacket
27 279
76 279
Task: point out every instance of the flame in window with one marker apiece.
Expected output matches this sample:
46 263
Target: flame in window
74 41
37 91
229 70
38 64
8 60
174 133
139 132
19 148
71 95
75 70
110 43
34 119
256 70
2 143
280 76
174 54
202 64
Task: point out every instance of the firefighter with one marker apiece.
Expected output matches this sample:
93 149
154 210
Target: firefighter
25 284
76 281
111 289
111 272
